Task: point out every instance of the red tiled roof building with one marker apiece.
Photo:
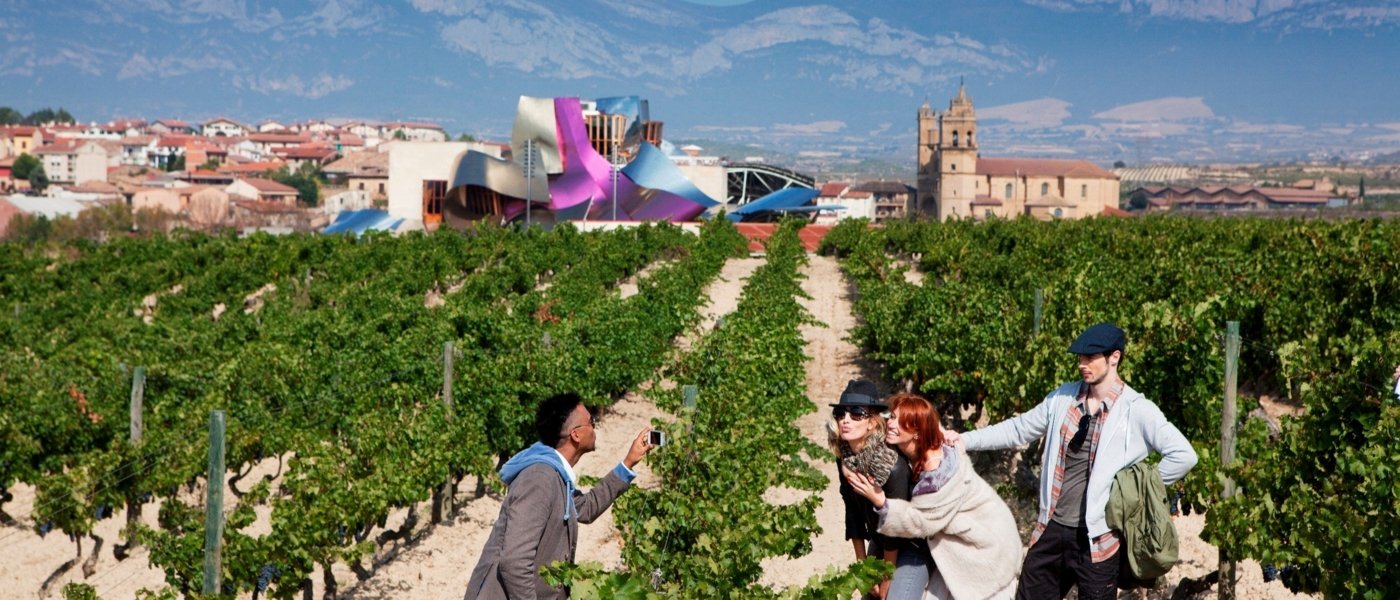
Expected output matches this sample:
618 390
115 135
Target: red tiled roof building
955 182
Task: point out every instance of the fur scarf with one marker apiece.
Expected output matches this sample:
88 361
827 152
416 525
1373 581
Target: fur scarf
876 459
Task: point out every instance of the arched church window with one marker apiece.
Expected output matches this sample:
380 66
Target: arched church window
955 139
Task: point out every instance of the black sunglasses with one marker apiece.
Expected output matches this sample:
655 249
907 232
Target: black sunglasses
857 413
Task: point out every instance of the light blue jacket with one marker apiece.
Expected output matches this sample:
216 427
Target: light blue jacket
1134 428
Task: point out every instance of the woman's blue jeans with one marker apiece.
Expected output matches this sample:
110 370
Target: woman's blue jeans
911 575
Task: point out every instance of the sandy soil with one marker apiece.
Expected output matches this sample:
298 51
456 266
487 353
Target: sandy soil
438 561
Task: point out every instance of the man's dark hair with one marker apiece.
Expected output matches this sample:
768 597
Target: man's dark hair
551 416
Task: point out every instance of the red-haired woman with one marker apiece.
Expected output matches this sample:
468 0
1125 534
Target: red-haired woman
970 531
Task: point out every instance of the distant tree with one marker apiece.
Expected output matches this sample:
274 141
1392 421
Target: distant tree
466 137
1137 201
29 229
1361 191
306 179
176 165
38 179
48 115
210 165
400 135
24 164
10 116
1118 164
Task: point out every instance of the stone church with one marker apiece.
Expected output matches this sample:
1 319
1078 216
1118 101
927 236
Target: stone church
956 182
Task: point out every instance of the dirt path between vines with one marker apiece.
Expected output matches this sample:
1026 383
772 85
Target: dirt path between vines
438 564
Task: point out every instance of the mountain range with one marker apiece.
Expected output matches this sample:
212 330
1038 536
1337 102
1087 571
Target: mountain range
1138 81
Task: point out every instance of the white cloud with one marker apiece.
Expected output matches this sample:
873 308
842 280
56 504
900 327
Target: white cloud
139 65
1313 14
26 57
440 82
1161 109
1037 114
203 11
533 37
316 87
334 16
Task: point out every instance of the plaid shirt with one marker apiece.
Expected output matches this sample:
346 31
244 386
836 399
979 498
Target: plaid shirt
1105 546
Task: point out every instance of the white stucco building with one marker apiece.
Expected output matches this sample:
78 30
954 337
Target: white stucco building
412 164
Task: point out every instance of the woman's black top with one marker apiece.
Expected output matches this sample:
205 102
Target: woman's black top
861 520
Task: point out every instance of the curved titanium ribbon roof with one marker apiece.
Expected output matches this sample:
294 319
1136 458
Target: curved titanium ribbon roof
580 181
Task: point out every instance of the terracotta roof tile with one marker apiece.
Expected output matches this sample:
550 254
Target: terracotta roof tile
1042 167
95 187
833 189
305 151
885 187
1235 195
274 138
250 167
268 186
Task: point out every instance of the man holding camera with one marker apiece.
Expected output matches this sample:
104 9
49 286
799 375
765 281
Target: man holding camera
538 522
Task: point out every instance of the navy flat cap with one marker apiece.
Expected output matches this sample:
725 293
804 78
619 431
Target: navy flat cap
1104 337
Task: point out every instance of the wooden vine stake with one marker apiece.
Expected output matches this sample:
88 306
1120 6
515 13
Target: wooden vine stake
133 503
1228 418
443 497
214 506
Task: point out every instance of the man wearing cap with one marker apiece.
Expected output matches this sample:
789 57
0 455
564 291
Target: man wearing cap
1092 428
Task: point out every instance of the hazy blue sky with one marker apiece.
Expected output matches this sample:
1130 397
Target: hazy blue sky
1048 77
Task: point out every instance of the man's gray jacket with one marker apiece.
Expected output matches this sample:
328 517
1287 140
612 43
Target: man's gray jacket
532 532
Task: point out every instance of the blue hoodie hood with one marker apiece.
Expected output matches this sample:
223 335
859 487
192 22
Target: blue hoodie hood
539 453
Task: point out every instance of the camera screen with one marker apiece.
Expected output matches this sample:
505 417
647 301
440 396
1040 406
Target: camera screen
657 438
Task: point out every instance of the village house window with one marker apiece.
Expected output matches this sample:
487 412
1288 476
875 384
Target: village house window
1059 212
1084 191
1044 189
1009 189
434 192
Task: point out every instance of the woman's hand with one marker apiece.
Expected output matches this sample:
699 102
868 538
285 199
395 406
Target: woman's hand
865 485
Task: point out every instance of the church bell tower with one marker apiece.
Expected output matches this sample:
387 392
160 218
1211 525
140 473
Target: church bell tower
955 157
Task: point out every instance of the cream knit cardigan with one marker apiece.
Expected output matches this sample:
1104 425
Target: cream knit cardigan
970 531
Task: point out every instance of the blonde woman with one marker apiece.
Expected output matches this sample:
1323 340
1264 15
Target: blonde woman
971 534
857 436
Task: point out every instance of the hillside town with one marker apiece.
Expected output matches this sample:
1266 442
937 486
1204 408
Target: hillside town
399 176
